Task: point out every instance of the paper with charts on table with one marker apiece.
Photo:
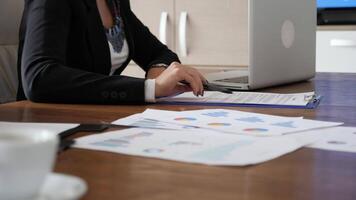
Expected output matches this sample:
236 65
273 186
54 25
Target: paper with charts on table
245 98
204 147
226 121
337 139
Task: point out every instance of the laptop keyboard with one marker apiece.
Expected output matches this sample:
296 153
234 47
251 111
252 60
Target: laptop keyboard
241 79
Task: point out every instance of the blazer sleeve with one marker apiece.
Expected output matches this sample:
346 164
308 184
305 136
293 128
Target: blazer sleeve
148 50
45 75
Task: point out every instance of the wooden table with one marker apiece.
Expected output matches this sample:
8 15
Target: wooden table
304 174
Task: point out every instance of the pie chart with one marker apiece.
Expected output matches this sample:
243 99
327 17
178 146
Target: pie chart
256 130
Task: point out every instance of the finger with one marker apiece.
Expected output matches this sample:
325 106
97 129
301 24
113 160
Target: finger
196 75
183 73
203 78
204 81
197 72
192 83
198 81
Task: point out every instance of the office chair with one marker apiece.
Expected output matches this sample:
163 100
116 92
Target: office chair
10 16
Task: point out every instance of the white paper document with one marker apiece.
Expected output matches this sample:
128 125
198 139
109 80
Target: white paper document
296 99
137 120
237 122
53 127
337 139
206 147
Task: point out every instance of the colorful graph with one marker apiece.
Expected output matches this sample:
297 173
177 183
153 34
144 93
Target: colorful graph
153 150
289 124
250 119
185 119
219 124
217 114
256 130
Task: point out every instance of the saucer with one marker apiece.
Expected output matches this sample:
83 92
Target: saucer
62 187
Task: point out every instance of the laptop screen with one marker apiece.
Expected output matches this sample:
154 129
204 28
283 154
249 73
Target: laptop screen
336 4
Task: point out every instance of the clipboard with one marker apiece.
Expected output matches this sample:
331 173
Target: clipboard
313 103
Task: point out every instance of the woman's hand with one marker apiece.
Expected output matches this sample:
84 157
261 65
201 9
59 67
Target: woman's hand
169 82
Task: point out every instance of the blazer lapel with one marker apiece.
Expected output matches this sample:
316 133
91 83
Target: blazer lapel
97 40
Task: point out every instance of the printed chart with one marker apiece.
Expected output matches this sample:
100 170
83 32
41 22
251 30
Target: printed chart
237 122
208 147
337 139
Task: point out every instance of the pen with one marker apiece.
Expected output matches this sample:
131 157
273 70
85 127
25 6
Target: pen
212 87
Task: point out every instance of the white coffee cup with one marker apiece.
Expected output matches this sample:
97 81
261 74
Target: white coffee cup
26 158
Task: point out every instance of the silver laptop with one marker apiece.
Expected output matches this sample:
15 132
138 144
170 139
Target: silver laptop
282 36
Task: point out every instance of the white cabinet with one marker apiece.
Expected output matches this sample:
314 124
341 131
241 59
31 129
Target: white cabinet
336 51
202 32
211 32
158 16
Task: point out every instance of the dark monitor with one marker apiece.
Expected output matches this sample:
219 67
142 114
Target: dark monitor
322 4
336 12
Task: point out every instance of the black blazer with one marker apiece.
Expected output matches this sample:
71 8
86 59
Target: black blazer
64 55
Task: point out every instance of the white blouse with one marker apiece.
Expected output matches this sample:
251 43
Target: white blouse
117 59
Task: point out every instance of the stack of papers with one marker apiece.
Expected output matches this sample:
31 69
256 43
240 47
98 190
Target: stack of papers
210 136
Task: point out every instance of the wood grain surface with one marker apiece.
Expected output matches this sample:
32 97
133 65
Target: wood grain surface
304 174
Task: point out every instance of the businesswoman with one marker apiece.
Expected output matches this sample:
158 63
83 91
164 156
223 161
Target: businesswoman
64 55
